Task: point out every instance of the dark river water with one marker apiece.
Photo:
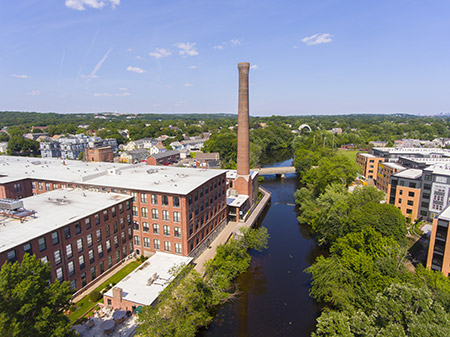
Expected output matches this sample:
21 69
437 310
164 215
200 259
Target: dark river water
273 299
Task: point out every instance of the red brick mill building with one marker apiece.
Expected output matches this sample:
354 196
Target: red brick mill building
173 210
81 234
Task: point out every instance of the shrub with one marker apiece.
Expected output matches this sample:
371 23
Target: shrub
95 296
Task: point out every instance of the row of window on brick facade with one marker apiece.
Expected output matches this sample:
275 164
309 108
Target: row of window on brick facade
204 217
155 229
93 268
203 232
154 199
155 214
157 244
208 188
12 256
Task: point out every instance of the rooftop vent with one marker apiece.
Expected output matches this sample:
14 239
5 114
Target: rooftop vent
59 201
10 204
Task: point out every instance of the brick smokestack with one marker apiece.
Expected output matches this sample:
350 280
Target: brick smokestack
243 150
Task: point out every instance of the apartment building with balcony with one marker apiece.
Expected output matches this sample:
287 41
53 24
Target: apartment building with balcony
369 164
405 191
439 249
385 171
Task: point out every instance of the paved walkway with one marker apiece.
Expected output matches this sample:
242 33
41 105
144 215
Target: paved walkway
227 232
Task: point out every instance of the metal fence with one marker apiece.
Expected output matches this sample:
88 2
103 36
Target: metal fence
201 248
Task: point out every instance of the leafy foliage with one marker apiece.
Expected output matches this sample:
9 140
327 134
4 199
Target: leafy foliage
29 305
400 310
337 212
187 303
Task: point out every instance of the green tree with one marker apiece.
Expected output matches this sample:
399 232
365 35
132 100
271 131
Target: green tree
335 169
400 310
182 309
29 305
4 137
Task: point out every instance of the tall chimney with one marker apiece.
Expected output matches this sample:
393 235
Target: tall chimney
243 151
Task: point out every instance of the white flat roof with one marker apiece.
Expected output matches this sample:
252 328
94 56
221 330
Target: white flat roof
399 150
237 201
134 286
368 155
51 214
428 160
163 179
393 165
409 174
440 169
232 174
445 214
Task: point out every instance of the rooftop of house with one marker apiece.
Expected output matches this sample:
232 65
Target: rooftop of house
208 156
141 286
54 209
162 179
165 154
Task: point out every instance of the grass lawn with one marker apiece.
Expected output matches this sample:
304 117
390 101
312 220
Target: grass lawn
351 154
85 304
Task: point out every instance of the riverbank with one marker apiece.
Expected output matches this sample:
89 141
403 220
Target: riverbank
232 228
273 297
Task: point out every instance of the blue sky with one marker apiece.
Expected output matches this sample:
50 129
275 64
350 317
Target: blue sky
308 57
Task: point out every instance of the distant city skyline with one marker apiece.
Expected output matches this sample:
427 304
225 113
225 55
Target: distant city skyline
307 57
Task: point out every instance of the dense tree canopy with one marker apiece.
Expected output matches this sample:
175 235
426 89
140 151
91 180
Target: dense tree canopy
29 305
188 302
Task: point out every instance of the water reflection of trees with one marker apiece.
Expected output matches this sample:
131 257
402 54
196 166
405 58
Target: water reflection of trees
254 283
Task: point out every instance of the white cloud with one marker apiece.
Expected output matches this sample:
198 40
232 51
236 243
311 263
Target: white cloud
140 58
188 85
235 42
254 67
88 76
99 94
123 89
218 47
317 39
34 93
187 49
81 5
193 67
156 105
123 94
20 76
160 53
136 70
130 49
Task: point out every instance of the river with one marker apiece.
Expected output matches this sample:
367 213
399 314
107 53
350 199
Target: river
273 299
